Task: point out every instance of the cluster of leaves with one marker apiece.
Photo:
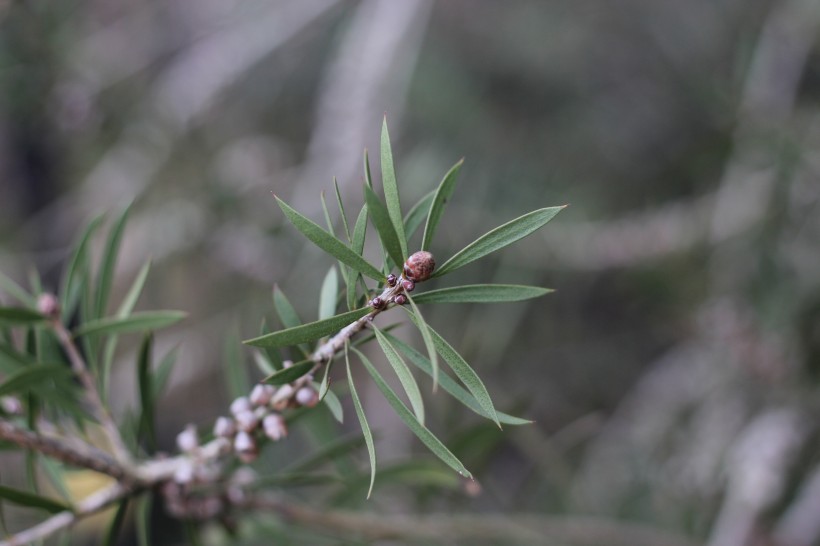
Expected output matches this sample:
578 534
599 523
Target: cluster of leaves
394 229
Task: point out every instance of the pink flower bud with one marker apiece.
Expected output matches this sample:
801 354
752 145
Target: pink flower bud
224 427
188 440
307 396
245 446
275 427
261 394
246 420
184 473
240 404
48 305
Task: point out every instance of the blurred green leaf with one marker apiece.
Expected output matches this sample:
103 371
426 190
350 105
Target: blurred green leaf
134 292
294 479
391 191
457 391
498 238
341 208
137 322
30 500
11 360
334 405
284 309
271 353
108 264
464 372
443 194
72 282
233 363
292 373
142 520
417 214
384 227
328 243
368 435
328 294
146 426
308 332
163 372
427 437
263 364
426 336
482 293
408 382
117 521
16 291
357 245
33 376
17 316
327 454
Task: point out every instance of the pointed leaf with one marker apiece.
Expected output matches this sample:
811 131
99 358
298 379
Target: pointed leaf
145 379
426 336
328 221
308 332
33 376
116 524
142 520
292 373
384 227
16 291
357 245
328 294
24 498
329 243
368 436
403 372
391 190
108 264
72 282
417 214
137 322
17 316
334 405
368 178
466 374
427 437
163 371
457 391
443 194
341 208
134 292
499 238
481 293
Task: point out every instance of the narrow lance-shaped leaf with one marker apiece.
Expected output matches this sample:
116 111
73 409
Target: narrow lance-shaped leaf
457 391
427 337
32 377
146 392
368 436
70 290
357 245
115 527
328 221
414 218
328 243
384 227
30 500
17 316
368 178
287 375
499 238
482 293
109 264
391 190
408 382
464 372
16 291
427 437
341 208
328 294
137 322
443 194
327 454
142 520
308 332
333 404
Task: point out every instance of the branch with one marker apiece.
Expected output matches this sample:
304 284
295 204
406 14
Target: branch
87 507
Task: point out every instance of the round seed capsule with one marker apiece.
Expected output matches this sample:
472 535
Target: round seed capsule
419 266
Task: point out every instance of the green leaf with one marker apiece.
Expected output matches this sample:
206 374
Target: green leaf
427 437
417 214
357 245
145 380
465 373
327 454
30 500
384 227
328 294
341 208
16 316
163 371
292 373
137 322
368 178
134 292
271 353
108 264
308 332
443 194
233 363
328 243
33 376
426 336
116 524
72 282
499 238
391 190
16 291
457 391
142 520
482 293
334 405
403 372
11 360
368 436
326 212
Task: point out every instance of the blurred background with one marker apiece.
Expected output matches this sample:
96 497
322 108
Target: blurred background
673 375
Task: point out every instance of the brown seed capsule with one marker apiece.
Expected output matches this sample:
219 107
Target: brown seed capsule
419 266
401 299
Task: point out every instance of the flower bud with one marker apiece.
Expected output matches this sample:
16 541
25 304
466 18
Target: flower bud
48 305
377 303
184 473
246 420
307 396
408 285
224 427
392 280
240 404
261 394
400 299
419 266
188 440
282 397
275 427
245 446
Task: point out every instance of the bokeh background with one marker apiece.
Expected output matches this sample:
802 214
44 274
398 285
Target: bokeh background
672 376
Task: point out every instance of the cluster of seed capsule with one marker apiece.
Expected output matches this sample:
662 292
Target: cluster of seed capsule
418 268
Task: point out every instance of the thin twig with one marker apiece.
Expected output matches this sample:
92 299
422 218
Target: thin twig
89 506
90 389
